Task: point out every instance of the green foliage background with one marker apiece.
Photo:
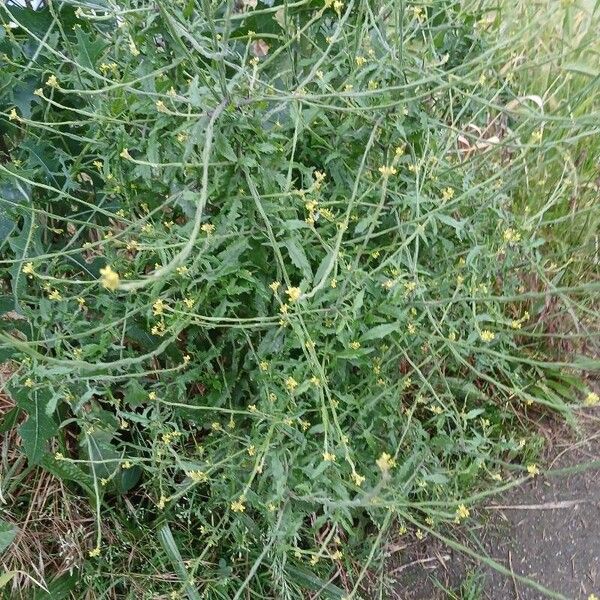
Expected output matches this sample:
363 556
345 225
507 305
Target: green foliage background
221 430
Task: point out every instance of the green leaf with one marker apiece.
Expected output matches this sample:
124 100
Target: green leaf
7 577
89 48
67 471
298 257
7 535
35 432
380 331
167 541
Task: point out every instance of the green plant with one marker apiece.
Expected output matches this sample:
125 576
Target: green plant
268 279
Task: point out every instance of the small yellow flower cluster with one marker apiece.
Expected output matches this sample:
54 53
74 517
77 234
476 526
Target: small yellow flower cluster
533 469
159 329
197 476
275 286
319 179
52 81
511 236
238 505
360 61
328 457
109 279
95 552
158 307
294 293
13 116
170 436
291 384
189 302
125 154
358 479
133 48
355 345
487 336
27 268
208 228
447 194
385 462
462 512
591 399
387 171
517 323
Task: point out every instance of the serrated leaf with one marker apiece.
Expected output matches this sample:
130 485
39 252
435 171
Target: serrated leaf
298 257
35 432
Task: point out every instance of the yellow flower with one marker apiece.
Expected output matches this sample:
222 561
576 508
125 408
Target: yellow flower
159 329
152 396
208 228
27 268
81 301
274 286
126 464
59 456
133 48
189 302
487 336
592 597
13 116
385 462
52 81
399 151
315 381
160 106
252 407
125 154
158 307
354 345
283 309
462 512
109 278
420 535
95 552
197 476
511 236
54 295
358 479
291 384
591 399
161 503
360 61
251 450
532 469
263 365
293 293
387 171
238 505
216 426
447 194
338 5
182 270
328 457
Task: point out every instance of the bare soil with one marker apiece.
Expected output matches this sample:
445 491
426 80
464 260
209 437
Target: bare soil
547 530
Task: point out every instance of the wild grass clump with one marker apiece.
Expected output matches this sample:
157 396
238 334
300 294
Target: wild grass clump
285 280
